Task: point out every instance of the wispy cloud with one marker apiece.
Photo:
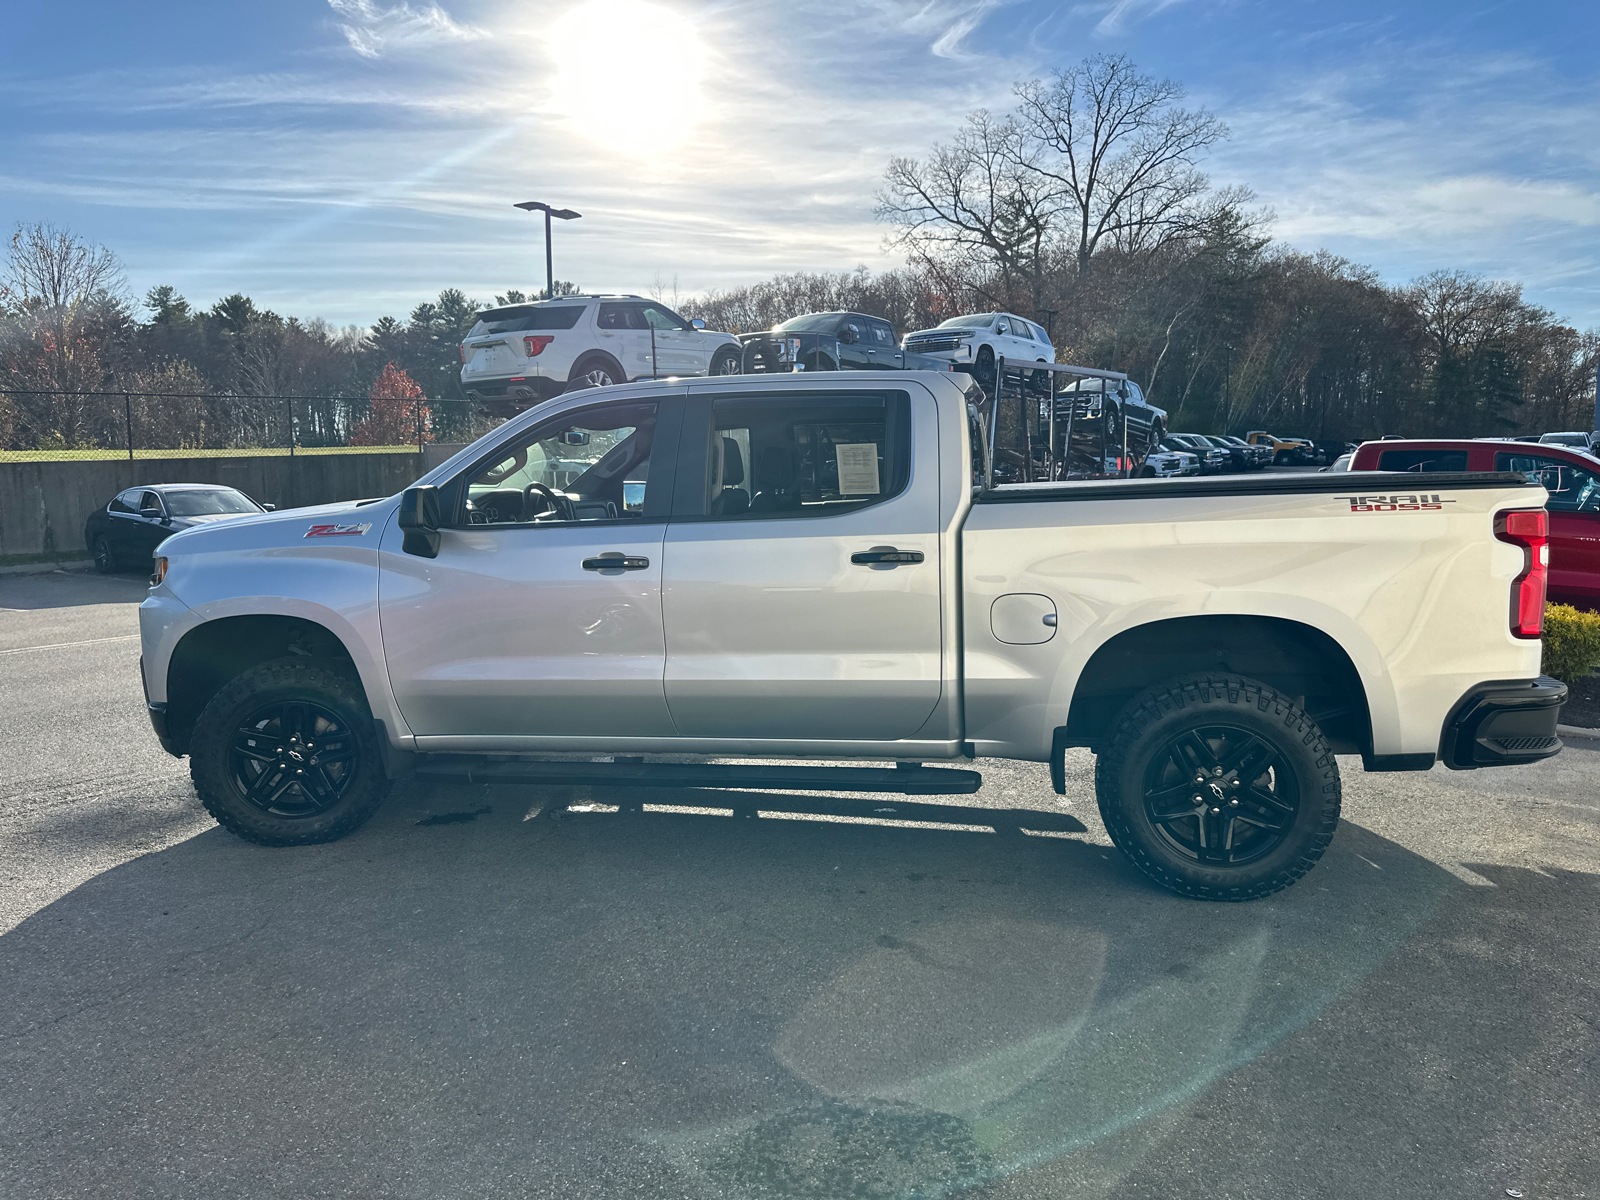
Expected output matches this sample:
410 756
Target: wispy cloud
371 29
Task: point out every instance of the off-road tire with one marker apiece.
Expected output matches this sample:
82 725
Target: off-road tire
319 682
726 361
1137 744
105 559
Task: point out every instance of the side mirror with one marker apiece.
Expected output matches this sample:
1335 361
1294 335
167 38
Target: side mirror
698 323
847 335
419 517
1002 328
150 514
573 437
270 507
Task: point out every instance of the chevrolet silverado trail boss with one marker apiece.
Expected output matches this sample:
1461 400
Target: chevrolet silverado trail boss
803 567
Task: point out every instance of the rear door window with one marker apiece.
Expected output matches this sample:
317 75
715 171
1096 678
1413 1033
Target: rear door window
1422 460
620 316
800 456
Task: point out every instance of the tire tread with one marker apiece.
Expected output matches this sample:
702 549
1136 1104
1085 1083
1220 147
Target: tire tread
209 775
1157 703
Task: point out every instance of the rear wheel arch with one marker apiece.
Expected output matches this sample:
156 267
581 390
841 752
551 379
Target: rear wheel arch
597 359
211 655
1298 660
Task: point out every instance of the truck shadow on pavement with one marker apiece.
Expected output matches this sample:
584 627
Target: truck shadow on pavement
666 1004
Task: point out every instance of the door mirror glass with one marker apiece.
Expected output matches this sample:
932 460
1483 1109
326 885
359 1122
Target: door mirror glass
698 323
1002 328
848 335
573 437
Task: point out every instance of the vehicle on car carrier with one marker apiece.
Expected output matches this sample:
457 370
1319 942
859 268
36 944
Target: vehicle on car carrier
627 584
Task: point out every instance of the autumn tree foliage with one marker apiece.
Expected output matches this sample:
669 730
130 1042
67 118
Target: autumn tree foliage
398 412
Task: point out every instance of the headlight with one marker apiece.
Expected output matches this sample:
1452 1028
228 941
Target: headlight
159 572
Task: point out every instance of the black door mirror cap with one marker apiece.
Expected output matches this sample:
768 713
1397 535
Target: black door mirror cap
419 517
847 335
150 514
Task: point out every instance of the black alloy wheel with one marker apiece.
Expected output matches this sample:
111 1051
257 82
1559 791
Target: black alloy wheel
105 560
292 758
1221 795
287 753
1218 787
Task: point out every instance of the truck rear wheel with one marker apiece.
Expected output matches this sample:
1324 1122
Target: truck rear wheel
286 754
1218 787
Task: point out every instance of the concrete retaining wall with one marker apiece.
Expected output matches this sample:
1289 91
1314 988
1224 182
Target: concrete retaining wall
43 505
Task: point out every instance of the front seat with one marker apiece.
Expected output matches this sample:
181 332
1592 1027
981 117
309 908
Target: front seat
732 499
776 477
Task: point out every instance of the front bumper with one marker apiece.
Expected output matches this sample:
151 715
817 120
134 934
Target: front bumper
158 717
1504 723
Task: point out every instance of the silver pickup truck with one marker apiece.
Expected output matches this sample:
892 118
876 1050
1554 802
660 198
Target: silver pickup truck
803 567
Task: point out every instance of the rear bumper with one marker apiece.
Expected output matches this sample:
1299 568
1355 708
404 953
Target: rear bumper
1504 723
504 387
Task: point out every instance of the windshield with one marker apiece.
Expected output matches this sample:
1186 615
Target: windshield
209 503
980 321
811 323
527 316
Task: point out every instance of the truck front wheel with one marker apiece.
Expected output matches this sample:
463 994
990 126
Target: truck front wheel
286 754
1218 787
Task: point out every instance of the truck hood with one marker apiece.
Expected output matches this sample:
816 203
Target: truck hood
341 522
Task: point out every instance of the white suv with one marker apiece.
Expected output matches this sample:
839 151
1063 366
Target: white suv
973 343
535 351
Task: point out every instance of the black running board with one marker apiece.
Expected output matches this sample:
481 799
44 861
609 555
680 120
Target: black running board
907 779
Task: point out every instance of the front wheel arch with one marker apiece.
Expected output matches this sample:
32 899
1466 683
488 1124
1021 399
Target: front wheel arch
213 654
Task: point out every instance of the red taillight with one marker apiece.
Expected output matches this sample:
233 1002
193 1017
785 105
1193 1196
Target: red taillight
463 349
536 344
1531 531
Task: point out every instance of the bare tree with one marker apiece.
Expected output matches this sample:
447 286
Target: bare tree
975 205
1119 154
57 287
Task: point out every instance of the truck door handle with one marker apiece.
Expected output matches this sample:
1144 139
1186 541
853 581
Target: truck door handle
615 560
886 555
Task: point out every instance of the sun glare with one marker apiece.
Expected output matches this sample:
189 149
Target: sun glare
629 74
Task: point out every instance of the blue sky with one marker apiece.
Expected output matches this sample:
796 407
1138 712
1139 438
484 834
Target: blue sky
348 158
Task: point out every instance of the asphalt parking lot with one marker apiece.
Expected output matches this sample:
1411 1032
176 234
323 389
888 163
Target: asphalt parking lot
468 998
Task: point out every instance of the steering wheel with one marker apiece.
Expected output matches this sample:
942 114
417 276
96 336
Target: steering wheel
560 505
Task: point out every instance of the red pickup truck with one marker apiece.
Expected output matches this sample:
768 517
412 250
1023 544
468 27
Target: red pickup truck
1570 476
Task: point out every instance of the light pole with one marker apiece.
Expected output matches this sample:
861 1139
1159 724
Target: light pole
561 214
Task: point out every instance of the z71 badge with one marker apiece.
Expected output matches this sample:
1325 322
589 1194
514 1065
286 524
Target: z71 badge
339 530
1401 503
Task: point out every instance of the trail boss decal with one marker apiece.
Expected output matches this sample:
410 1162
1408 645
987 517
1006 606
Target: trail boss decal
339 530
1401 503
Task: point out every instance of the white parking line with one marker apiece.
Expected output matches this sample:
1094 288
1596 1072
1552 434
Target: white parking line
127 637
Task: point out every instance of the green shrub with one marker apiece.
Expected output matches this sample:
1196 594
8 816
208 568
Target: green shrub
1571 642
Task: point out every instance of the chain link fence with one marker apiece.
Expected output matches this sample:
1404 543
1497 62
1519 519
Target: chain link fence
44 426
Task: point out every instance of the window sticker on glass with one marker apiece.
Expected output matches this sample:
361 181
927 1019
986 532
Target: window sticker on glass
858 468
